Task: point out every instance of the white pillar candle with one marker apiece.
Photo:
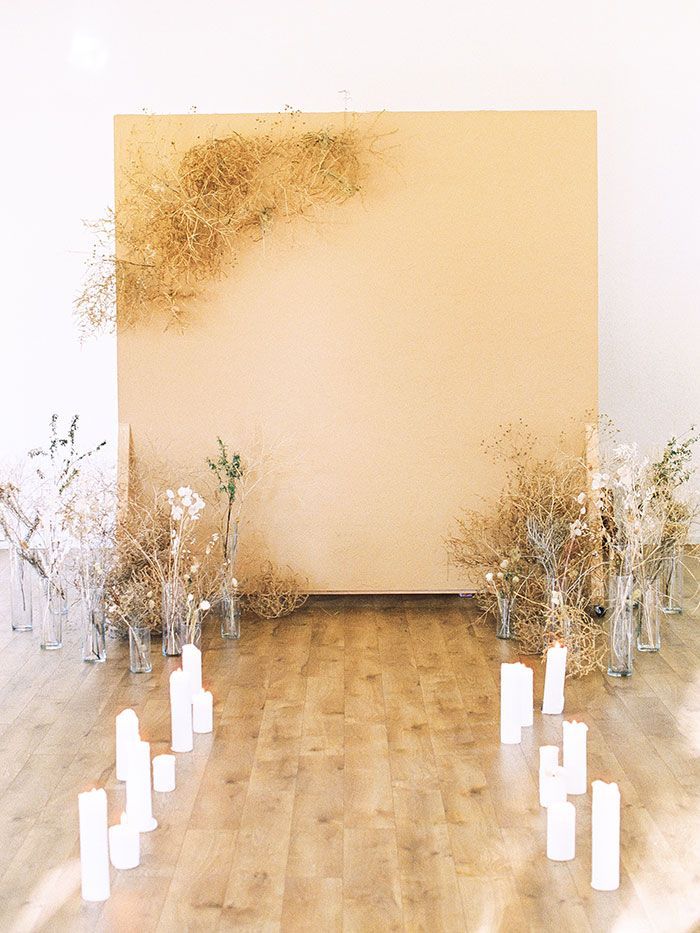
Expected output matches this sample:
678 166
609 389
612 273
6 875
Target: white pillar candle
561 832
552 787
202 712
139 812
511 715
127 728
605 824
181 711
164 773
124 845
575 756
94 856
192 665
526 700
555 671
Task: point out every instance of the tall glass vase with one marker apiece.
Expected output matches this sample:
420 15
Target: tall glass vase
21 579
173 618
140 649
673 583
505 607
649 618
231 549
53 613
230 609
94 641
621 622
192 628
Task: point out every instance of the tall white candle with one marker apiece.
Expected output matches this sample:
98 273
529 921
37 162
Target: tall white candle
181 711
202 712
94 856
605 825
139 812
526 695
124 845
555 671
164 773
511 696
192 664
552 787
561 832
575 756
127 729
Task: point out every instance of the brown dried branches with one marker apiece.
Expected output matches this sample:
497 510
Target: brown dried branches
180 224
274 592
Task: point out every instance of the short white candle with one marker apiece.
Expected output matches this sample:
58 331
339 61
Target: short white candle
139 812
552 787
127 729
94 856
124 845
554 674
511 701
192 665
526 695
575 756
164 773
202 712
605 825
181 711
561 832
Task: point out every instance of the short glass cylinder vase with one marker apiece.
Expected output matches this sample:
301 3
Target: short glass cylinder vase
192 629
54 612
649 617
505 607
173 618
673 583
621 626
230 608
21 580
140 649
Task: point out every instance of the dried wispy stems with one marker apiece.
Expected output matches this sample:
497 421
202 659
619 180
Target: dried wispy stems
274 592
183 220
533 546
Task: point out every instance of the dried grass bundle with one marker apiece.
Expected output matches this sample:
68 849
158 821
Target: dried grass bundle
274 592
181 222
536 539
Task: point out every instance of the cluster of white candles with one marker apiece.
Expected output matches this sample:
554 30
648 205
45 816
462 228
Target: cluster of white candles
557 782
191 710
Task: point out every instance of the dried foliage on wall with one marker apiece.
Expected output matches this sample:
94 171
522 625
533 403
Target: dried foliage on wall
182 221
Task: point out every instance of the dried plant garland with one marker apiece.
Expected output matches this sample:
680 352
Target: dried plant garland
181 222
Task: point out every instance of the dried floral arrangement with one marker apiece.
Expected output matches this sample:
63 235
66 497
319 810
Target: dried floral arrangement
274 592
557 526
531 545
182 221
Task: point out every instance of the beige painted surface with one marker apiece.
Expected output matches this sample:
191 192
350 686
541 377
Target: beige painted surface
382 343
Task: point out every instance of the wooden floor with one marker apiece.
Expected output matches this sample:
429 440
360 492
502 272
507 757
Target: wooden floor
354 781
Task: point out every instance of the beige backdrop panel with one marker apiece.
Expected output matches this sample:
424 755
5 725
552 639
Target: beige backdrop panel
383 342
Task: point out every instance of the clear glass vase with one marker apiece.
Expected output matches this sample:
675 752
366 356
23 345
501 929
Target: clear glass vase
649 617
93 628
192 629
673 583
505 607
173 618
53 612
21 594
140 649
621 626
230 608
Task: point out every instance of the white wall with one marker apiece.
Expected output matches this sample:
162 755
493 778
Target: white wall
66 68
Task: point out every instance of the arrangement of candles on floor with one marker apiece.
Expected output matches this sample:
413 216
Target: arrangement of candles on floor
557 782
191 710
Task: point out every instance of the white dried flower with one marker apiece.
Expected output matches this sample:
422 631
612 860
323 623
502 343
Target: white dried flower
504 564
489 577
499 575
581 498
205 605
